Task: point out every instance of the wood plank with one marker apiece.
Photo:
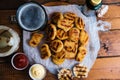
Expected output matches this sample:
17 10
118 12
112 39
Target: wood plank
113 16
111 1
11 4
115 22
113 12
83 1
110 43
5 20
5 16
105 69
7 72
14 4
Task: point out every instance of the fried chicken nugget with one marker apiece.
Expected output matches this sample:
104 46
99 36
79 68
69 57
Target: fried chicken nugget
35 39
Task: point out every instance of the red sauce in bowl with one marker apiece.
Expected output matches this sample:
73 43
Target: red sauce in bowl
20 61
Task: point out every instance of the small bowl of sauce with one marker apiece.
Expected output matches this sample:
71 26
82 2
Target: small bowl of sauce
19 61
37 72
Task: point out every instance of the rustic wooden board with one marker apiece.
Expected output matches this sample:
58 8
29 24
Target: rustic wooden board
113 12
110 43
111 1
113 16
81 2
105 69
7 72
14 4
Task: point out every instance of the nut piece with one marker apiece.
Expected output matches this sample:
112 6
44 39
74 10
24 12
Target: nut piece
65 74
80 71
35 40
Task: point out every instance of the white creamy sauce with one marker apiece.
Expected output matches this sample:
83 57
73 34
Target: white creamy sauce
37 72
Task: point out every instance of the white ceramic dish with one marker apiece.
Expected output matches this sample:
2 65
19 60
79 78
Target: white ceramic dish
15 43
39 71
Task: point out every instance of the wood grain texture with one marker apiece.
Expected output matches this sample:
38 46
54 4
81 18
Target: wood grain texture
7 72
110 43
14 4
111 1
113 16
115 22
105 69
113 12
11 4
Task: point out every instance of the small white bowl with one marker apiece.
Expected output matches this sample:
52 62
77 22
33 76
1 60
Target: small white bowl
37 72
14 42
13 62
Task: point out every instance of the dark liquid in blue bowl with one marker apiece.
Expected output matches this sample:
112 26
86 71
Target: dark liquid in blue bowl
31 16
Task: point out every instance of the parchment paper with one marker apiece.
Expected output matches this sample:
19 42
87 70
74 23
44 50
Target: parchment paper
92 28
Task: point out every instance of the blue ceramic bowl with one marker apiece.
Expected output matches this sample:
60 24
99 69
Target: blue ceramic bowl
31 16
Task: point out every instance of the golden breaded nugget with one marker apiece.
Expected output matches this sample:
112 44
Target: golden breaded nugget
70 21
65 33
83 37
74 34
64 24
70 49
35 39
79 23
56 16
57 60
56 45
45 51
52 31
69 15
60 54
81 54
61 34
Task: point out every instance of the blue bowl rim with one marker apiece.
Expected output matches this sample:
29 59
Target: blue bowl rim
46 18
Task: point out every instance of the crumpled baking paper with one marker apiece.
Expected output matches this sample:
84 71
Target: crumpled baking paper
92 26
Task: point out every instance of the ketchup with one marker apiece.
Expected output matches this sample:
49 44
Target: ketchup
20 61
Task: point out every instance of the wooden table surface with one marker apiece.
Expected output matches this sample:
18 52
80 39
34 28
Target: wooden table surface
107 65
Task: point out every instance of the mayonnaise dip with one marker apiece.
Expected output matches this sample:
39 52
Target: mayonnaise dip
37 72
